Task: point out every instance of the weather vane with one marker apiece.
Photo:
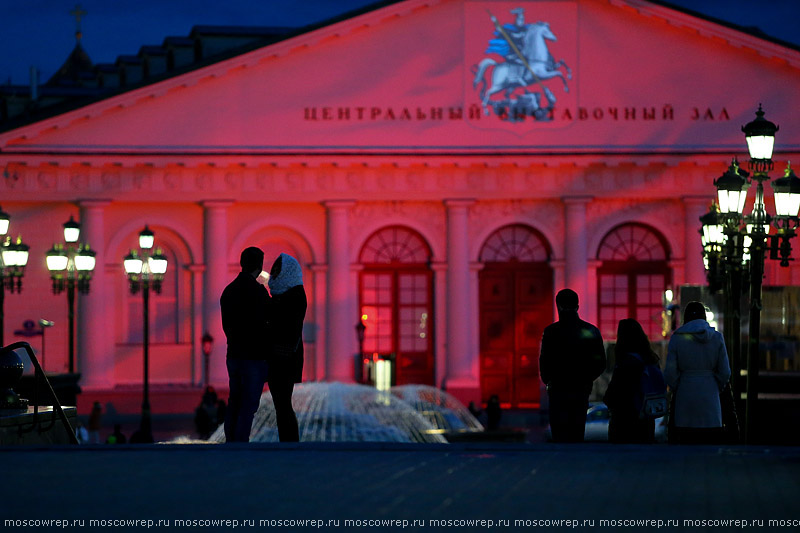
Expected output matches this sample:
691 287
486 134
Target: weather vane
77 13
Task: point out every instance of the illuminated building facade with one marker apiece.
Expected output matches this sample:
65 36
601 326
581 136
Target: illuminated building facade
437 172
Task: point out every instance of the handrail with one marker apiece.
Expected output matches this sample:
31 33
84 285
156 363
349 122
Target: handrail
40 374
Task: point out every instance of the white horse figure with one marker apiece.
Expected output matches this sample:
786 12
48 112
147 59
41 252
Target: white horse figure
540 65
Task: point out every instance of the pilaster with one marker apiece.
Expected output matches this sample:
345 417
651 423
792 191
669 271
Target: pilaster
95 327
215 256
462 361
340 317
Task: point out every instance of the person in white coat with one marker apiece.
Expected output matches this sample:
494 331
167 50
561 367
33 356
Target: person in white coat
697 370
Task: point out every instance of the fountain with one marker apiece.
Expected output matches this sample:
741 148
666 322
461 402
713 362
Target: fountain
440 408
339 412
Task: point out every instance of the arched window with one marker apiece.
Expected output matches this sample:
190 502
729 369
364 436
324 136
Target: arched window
170 319
163 309
514 243
395 245
632 278
395 298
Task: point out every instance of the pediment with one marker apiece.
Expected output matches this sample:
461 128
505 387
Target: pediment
583 76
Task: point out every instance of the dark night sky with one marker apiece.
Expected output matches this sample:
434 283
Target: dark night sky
41 33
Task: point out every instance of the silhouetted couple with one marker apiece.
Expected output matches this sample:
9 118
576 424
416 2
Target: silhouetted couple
264 331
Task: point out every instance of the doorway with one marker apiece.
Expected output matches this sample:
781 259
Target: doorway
516 304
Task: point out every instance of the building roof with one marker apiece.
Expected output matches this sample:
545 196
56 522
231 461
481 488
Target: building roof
76 65
79 82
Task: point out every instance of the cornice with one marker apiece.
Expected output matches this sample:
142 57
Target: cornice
348 181
713 30
270 52
332 163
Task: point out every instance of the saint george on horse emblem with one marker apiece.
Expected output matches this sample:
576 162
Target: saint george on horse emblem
526 63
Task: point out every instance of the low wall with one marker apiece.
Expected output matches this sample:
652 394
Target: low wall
21 427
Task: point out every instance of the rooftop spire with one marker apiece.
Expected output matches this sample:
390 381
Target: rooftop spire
78 62
78 13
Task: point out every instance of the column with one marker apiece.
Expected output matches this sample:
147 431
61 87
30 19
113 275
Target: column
196 317
589 302
694 207
678 268
439 312
576 244
340 318
320 274
215 256
462 379
475 268
95 327
559 282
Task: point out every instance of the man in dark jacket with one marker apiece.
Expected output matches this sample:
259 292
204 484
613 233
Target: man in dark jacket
244 304
572 357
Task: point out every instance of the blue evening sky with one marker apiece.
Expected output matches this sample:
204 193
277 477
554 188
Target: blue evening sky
41 33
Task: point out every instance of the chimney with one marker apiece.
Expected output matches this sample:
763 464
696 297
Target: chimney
34 84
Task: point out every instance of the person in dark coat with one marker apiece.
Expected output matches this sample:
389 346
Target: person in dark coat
117 437
205 415
625 425
572 356
95 423
287 312
244 307
493 413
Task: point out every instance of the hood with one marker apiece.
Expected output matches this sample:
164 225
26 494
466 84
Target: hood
698 329
290 275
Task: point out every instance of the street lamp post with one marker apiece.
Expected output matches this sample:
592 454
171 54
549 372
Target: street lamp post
208 343
145 270
723 245
361 330
71 268
13 258
746 249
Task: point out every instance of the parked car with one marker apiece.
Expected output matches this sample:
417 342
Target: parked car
597 417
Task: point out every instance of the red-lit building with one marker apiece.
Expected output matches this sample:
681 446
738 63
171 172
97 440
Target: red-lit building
436 173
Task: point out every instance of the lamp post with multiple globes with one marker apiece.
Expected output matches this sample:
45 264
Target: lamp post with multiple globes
71 268
13 258
736 245
145 271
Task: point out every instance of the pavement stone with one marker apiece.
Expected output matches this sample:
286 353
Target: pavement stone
373 482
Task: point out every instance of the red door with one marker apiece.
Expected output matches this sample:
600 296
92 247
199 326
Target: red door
516 304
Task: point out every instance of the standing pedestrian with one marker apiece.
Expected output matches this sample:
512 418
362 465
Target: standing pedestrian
95 423
244 306
572 357
206 414
494 412
287 312
632 353
697 370
117 437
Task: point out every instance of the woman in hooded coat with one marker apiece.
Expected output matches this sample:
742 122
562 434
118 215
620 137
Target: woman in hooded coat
287 312
697 370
